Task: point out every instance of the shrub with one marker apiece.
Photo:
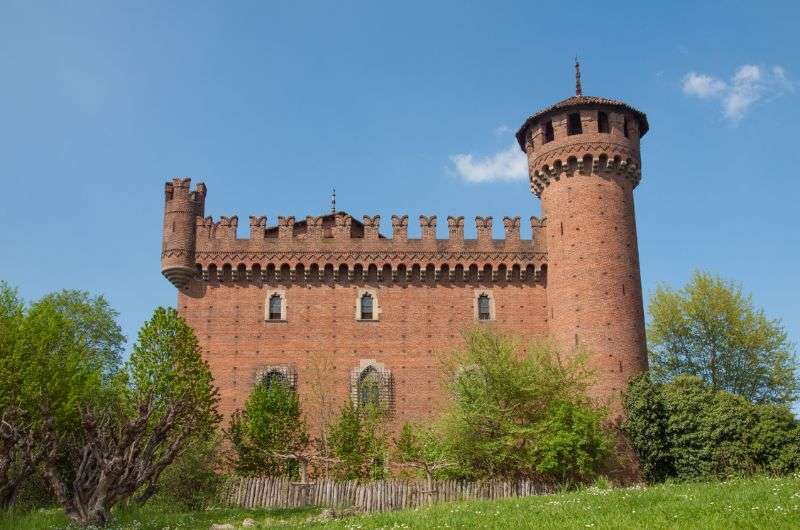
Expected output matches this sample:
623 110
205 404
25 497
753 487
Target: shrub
421 448
687 430
267 431
646 428
522 412
358 443
193 481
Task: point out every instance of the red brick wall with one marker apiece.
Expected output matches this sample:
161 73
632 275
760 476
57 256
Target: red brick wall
418 324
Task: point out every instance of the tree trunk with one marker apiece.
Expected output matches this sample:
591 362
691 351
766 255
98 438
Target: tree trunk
8 496
149 491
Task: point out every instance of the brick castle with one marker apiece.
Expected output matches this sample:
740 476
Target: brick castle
338 310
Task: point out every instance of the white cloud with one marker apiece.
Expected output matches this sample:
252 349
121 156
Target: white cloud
508 164
702 86
501 130
749 85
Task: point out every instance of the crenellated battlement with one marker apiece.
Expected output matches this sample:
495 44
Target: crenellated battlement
178 194
200 246
344 228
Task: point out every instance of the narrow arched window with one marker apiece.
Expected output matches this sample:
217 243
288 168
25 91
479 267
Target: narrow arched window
625 127
275 378
549 134
275 307
369 388
366 307
602 122
574 124
484 307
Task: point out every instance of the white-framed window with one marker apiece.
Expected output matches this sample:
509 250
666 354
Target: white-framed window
367 308
483 303
275 305
371 385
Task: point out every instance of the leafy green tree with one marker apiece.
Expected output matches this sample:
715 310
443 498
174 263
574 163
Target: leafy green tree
269 434
14 467
522 412
55 356
710 329
358 443
421 447
135 425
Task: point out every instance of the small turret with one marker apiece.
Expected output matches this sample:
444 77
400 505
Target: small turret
181 207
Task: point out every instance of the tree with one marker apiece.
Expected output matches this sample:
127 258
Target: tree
134 425
710 329
268 431
54 356
14 465
358 443
522 412
421 447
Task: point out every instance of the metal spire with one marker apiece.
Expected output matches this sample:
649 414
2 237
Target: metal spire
333 201
578 88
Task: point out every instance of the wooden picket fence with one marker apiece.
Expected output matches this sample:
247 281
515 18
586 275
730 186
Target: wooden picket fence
370 497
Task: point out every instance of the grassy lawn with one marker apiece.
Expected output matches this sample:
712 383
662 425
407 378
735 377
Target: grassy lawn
753 503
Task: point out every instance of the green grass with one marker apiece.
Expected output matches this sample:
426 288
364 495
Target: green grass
751 503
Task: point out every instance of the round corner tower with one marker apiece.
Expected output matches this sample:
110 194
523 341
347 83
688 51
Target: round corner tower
181 207
583 163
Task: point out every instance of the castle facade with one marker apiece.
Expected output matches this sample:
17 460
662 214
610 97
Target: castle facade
340 308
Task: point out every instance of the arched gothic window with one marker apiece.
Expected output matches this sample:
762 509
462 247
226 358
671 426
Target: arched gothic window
371 385
278 374
275 304
369 388
366 307
484 307
275 378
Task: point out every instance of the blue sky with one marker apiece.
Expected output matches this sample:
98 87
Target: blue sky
402 107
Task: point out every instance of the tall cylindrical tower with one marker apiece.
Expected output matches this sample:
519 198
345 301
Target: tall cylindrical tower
181 207
584 162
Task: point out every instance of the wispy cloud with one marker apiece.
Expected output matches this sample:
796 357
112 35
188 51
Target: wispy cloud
749 85
508 164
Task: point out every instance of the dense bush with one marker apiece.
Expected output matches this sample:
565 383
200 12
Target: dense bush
687 430
267 431
358 443
521 412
